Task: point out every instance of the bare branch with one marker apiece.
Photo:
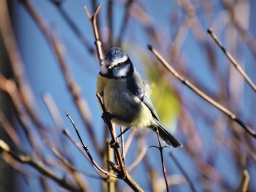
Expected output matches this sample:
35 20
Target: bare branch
17 64
39 166
183 172
119 168
244 181
74 90
97 42
85 151
114 139
9 129
232 60
111 181
247 37
52 108
72 25
124 22
138 159
231 115
10 88
58 50
161 148
69 167
128 179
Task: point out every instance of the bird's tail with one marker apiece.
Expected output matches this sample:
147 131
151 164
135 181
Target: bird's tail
166 136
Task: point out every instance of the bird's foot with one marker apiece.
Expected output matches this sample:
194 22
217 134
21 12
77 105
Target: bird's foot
114 144
106 116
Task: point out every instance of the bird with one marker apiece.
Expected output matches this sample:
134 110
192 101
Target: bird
125 96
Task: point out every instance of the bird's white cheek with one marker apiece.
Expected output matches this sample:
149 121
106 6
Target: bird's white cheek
121 71
103 69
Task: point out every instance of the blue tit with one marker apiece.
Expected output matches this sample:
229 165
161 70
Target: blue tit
125 95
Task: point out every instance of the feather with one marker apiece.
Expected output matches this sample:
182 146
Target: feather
167 136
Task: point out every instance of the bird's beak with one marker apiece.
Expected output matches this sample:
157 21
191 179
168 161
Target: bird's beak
109 66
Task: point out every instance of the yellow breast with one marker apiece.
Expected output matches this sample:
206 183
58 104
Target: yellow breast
118 100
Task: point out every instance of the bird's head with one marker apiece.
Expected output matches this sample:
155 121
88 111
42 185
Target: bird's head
116 64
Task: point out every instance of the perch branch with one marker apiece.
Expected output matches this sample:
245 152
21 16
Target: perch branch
119 168
122 173
114 139
128 179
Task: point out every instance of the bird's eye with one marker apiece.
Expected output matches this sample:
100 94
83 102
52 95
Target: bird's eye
122 63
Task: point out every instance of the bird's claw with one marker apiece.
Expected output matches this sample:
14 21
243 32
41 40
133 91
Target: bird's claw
106 116
114 144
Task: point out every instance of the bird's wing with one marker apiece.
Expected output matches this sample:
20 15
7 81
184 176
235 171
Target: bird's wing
149 104
137 87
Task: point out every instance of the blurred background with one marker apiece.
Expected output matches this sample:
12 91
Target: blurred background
37 88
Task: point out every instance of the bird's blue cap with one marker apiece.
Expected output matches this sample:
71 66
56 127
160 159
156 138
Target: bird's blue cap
114 56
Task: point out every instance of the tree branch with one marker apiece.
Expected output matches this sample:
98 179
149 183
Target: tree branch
97 42
17 64
183 172
232 60
39 166
227 112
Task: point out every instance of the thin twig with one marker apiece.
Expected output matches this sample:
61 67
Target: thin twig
70 168
128 141
15 165
232 60
111 129
183 172
77 132
72 25
39 166
138 159
17 64
122 173
243 187
85 151
111 181
230 114
97 42
75 91
52 108
247 37
60 157
122 142
60 142
10 87
119 168
128 179
71 83
9 129
124 23
110 20
162 160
